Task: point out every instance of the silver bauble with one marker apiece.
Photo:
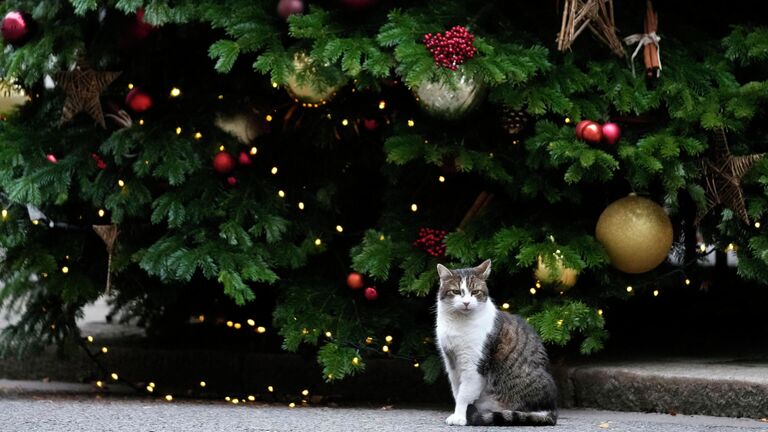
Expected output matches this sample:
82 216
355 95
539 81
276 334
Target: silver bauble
450 98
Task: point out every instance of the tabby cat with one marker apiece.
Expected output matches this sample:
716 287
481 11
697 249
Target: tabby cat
496 363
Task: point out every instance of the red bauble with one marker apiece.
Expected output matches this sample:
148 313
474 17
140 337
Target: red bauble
51 158
371 294
286 8
371 124
223 162
611 133
592 132
358 4
355 280
231 180
138 101
16 27
244 159
580 128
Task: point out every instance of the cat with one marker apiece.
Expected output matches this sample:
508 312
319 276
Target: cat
496 362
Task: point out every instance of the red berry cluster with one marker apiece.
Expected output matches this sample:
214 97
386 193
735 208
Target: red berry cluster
452 48
431 240
100 164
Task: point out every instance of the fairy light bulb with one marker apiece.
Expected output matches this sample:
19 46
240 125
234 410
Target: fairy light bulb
175 92
305 392
355 361
382 104
655 293
339 228
441 179
178 130
130 86
222 148
251 322
230 323
301 205
567 120
600 312
261 329
274 84
385 348
270 389
291 405
121 183
416 364
104 350
344 122
411 123
203 384
65 269
414 207
268 117
505 306
5 214
328 334
388 339
368 340
198 135
238 326
90 339
273 170
687 281
141 122
757 224
532 291
253 151
99 384
101 212
150 388
318 242
281 193
114 376
169 398
151 384
629 289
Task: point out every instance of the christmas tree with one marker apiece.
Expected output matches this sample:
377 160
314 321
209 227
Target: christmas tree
311 162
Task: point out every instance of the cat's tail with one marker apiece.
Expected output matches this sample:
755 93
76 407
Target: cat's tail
510 418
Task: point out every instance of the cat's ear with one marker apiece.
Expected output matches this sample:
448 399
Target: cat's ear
443 272
483 270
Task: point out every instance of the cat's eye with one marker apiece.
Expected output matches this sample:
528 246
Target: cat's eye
456 292
475 292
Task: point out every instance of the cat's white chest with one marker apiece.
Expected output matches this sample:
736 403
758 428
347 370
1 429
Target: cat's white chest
462 339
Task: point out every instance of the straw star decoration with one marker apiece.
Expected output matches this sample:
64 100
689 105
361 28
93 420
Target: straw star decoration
723 173
83 86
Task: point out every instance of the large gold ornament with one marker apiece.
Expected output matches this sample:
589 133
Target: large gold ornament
560 276
312 84
450 99
636 232
12 96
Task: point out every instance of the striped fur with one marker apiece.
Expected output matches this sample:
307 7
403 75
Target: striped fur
496 362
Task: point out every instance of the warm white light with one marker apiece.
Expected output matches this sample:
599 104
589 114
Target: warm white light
339 228
301 205
101 212
114 376
251 398
414 208
175 92
655 293
318 242
382 104
687 281
254 150
130 86
230 323
355 361
629 289
5 213
270 389
388 339
90 339
169 398
291 405
532 290
281 193
600 312
104 350
202 384
198 135
261 329
567 120
238 326
344 122
178 130
411 123
441 179
328 334
251 322
268 118
505 306
385 348
121 183
150 389
305 392
65 269
416 364
274 170
757 224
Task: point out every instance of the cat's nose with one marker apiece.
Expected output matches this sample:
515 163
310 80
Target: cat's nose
466 304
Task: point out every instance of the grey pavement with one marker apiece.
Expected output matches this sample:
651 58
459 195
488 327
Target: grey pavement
86 414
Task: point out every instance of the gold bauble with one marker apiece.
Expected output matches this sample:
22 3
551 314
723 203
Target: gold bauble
636 232
310 83
561 276
12 96
450 98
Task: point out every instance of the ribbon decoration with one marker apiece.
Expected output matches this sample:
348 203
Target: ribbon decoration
643 39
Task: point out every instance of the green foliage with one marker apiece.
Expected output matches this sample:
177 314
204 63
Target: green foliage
184 226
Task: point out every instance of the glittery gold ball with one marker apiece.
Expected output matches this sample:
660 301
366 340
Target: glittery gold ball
311 83
12 96
560 276
450 99
636 232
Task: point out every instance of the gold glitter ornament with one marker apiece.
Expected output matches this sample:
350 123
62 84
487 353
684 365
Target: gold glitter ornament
636 232
559 276
12 96
450 99
312 84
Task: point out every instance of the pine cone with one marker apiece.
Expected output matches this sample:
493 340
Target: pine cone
514 121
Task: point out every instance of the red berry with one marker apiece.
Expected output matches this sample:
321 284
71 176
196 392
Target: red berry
355 280
371 294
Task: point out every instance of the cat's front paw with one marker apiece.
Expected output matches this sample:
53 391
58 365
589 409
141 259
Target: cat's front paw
456 420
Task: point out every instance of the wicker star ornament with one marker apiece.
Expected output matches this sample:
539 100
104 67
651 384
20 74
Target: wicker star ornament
83 86
723 173
597 15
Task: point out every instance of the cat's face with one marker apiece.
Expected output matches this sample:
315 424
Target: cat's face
464 290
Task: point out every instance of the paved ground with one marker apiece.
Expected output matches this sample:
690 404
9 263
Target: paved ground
88 414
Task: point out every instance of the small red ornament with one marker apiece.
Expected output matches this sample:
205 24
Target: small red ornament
51 158
371 124
371 294
580 128
223 162
452 48
244 158
592 132
16 27
286 8
138 101
611 133
231 180
355 280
